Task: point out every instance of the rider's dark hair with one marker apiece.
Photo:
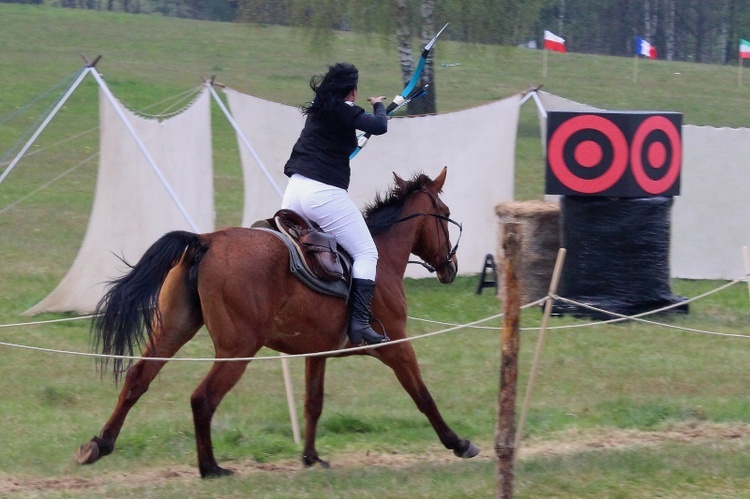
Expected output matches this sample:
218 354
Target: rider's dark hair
331 87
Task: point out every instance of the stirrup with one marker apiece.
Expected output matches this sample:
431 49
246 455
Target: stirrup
377 340
368 336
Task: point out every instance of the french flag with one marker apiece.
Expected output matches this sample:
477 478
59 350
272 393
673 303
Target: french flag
553 42
642 47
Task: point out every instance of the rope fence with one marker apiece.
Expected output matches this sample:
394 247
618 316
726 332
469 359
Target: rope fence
449 327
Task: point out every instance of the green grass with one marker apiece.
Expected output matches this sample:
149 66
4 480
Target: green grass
610 378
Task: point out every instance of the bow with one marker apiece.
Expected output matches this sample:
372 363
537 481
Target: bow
407 94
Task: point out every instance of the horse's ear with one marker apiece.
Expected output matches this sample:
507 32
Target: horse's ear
437 184
400 183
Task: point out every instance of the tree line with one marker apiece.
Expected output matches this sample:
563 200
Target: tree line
683 30
707 31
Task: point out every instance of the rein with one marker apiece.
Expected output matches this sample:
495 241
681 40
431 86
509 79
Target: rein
453 251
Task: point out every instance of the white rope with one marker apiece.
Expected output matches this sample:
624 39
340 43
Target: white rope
55 144
491 317
166 113
47 184
642 314
450 328
48 321
638 319
243 359
172 110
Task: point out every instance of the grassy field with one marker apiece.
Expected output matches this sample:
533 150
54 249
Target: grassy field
628 410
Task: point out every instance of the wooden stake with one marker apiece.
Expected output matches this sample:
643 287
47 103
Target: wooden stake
739 73
290 399
506 413
746 254
539 343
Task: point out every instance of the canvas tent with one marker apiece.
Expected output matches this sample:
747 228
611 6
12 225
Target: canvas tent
477 145
156 176
132 206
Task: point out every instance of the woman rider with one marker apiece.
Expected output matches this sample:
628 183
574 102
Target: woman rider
319 172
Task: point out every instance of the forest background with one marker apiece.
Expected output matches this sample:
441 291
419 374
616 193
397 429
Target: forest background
681 30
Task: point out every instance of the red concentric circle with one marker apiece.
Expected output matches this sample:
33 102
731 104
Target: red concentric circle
656 155
589 151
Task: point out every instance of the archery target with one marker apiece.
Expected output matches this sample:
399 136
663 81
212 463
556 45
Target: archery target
588 154
656 155
623 154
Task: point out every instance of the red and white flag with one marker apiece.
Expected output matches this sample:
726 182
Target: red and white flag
553 42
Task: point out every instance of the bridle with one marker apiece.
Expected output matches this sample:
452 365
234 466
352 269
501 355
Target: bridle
438 217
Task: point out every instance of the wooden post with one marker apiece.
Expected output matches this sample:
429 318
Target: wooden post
506 414
746 255
539 344
739 73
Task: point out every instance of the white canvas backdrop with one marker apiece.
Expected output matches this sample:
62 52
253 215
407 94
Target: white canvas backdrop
709 218
477 145
132 208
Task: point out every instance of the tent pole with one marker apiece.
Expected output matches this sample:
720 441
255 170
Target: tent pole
45 123
244 139
145 152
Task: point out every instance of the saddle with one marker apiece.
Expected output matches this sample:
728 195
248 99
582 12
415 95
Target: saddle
314 256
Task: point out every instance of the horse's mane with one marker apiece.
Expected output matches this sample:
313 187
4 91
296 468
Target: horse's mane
385 210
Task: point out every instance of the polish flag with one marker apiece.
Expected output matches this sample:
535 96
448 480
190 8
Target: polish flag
642 47
553 42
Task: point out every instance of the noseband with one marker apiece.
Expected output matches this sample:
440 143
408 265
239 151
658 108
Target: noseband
438 217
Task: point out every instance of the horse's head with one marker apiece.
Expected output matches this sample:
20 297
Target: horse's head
432 244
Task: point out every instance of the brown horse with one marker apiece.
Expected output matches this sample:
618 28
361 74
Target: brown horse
237 282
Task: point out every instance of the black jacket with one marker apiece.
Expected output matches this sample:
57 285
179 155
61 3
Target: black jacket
323 148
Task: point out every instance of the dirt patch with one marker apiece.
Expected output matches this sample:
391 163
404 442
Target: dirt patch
567 442
573 441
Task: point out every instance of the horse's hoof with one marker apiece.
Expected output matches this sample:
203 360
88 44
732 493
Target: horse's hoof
216 472
466 450
87 453
309 462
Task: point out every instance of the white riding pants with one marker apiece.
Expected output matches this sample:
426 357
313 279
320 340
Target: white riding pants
332 209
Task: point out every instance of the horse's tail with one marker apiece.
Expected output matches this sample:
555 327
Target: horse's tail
128 311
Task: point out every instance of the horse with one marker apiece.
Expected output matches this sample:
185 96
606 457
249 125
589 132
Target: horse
238 284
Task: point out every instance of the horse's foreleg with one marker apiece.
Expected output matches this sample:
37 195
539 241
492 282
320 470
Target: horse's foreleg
403 361
206 398
315 368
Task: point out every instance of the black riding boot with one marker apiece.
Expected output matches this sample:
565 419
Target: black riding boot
359 320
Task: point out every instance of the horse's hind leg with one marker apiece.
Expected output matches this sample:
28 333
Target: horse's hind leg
180 321
402 359
137 381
